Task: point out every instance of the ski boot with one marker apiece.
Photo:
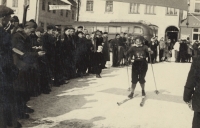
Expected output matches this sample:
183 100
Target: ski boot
131 95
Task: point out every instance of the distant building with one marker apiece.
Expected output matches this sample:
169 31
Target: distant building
39 11
167 19
190 27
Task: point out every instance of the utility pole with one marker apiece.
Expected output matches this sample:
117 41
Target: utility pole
78 1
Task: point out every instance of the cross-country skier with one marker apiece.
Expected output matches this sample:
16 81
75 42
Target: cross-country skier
139 66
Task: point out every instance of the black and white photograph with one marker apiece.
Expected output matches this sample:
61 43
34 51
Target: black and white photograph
99 63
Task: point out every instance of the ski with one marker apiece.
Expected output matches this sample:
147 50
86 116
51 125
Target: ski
124 101
143 101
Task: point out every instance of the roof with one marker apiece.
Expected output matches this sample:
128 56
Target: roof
178 4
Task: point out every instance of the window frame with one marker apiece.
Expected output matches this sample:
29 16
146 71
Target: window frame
90 7
44 5
108 3
27 1
196 33
15 3
49 3
66 13
135 5
149 11
174 12
196 2
61 12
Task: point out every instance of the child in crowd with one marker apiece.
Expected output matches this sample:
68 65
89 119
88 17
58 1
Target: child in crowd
98 61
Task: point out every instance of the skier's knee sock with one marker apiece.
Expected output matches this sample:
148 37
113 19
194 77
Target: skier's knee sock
142 86
133 88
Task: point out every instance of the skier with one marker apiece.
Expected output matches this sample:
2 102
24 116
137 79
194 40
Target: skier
140 65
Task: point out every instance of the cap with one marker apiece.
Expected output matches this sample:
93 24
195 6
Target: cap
141 38
5 11
31 24
40 29
80 26
14 19
66 29
105 33
51 27
58 27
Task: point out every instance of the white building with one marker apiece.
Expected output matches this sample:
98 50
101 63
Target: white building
39 11
167 19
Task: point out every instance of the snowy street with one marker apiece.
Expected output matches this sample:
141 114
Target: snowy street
92 103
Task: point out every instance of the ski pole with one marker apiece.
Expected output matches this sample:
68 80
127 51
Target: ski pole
129 88
156 91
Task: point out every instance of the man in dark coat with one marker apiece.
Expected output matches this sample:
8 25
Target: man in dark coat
90 48
106 49
25 58
196 48
8 113
49 48
81 54
114 45
192 91
183 51
42 63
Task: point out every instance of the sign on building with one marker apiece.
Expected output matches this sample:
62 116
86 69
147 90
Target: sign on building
59 7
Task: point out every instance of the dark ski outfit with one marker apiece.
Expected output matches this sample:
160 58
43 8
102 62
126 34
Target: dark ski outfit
140 65
192 90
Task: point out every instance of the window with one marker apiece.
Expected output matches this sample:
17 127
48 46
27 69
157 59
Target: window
171 11
26 2
109 6
114 30
67 13
89 5
150 9
15 3
134 8
196 34
61 12
43 4
197 7
73 15
54 11
138 30
42 24
49 3
4 2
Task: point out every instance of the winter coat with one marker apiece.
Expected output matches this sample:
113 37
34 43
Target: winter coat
192 86
21 42
81 50
196 49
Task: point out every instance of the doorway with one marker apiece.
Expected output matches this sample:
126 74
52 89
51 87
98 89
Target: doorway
172 33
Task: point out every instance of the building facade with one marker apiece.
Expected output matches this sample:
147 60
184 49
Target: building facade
167 19
39 11
190 27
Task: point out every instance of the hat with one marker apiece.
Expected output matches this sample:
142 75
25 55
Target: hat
105 33
51 27
58 27
40 29
80 26
5 11
14 19
31 24
66 29
141 38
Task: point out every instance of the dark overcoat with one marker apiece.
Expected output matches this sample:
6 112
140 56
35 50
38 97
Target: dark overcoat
192 87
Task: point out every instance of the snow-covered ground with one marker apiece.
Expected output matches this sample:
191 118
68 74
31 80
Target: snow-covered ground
92 103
